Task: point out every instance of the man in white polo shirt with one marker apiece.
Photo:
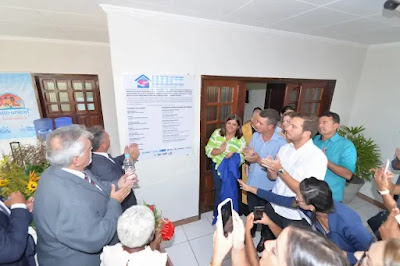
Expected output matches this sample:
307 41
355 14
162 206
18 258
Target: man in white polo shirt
295 161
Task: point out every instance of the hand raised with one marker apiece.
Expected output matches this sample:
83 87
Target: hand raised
249 222
390 228
222 148
229 154
382 179
29 204
243 185
14 198
134 151
272 165
222 245
127 179
121 193
238 231
264 220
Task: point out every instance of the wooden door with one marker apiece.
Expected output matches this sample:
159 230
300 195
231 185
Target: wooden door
275 96
310 98
292 95
316 98
75 96
219 98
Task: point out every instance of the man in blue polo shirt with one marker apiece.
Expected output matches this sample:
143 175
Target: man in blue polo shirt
341 154
265 142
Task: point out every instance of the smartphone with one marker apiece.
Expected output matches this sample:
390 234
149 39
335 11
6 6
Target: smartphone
225 210
258 212
387 166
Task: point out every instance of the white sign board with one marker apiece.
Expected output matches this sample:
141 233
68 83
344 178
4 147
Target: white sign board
160 113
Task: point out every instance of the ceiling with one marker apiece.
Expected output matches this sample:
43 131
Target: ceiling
360 21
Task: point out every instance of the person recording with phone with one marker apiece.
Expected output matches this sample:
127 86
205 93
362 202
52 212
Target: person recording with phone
228 236
294 246
336 221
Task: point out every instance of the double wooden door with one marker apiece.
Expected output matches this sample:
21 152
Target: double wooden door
219 99
75 96
305 97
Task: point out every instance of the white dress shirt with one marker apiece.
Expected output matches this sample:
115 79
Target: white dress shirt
305 162
79 174
104 154
7 211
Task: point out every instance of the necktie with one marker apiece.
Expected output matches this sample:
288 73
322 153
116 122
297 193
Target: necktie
89 180
110 158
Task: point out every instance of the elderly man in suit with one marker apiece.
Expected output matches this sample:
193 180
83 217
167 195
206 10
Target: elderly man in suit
17 247
75 213
106 167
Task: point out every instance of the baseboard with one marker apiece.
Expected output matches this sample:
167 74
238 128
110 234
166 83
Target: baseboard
371 200
186 220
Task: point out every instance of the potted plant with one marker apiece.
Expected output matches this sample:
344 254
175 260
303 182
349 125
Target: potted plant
368 157
21 170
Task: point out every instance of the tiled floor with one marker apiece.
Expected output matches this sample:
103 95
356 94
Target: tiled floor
192 243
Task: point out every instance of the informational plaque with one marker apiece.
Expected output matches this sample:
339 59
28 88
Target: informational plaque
160 113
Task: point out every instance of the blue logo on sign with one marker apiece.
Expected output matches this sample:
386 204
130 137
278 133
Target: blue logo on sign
143 82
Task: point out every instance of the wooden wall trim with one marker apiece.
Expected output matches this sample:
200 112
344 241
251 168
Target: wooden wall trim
371 200
186 220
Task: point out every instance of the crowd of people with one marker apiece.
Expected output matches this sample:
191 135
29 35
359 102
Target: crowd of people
86 213
84 209
296 167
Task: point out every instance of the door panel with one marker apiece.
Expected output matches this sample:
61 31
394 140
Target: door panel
76 96
219 99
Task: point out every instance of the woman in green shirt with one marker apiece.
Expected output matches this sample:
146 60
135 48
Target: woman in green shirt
223 143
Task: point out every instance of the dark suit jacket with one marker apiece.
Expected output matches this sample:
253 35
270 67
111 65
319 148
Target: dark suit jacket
106 170
73 218
17 247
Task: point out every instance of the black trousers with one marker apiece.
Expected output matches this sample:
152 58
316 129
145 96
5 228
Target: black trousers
281 221
253 201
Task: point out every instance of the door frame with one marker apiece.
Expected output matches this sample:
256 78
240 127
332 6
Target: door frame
39 96
241 102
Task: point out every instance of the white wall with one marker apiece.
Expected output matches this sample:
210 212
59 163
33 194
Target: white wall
376 105
150 42
67 57
257 92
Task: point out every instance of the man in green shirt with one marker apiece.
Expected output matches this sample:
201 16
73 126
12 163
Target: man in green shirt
341 154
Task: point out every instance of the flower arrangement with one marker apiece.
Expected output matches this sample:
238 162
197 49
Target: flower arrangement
21 170
163 225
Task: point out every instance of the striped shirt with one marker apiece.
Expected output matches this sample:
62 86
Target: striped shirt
234 144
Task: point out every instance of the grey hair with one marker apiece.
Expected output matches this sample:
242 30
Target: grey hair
69 144
98 136
136 226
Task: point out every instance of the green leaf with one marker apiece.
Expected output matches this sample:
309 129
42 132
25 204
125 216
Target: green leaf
368 153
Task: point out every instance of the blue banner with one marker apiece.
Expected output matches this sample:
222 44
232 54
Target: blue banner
18 106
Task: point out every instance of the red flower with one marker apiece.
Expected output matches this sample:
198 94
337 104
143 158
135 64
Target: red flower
151 208
167 230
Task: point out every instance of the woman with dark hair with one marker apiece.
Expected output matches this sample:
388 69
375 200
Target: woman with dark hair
331 218
298 247
224 143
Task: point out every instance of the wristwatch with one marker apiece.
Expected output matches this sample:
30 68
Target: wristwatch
281 171
384 192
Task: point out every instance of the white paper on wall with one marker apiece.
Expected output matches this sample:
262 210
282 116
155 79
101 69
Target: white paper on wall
160 113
